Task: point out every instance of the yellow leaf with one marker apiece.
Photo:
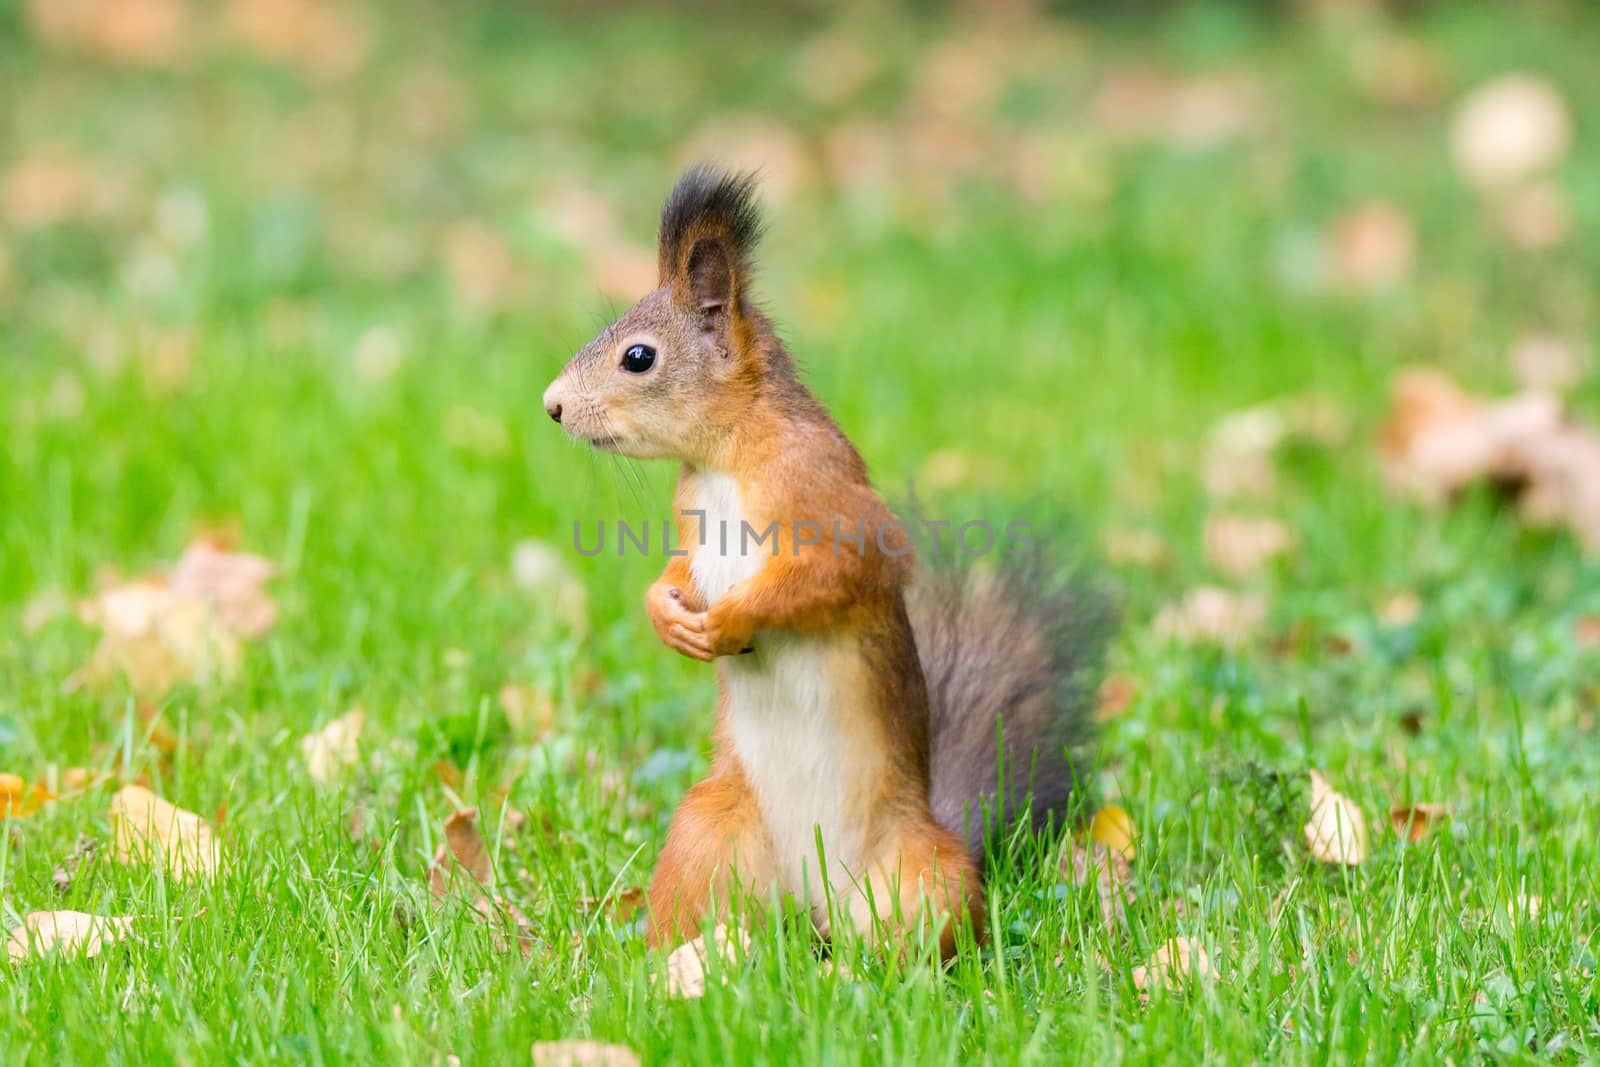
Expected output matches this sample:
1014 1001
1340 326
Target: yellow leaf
1173 965
686 966
145 827
1337 832
328 752
41 931
1113 827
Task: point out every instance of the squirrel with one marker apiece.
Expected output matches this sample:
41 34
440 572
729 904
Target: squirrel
868 707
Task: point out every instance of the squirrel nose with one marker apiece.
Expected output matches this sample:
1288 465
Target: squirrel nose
552 402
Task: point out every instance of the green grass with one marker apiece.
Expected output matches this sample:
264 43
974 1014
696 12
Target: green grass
1075 349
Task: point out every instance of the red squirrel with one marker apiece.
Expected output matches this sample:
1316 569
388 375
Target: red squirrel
860 694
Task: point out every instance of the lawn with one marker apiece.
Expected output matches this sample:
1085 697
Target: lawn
292 277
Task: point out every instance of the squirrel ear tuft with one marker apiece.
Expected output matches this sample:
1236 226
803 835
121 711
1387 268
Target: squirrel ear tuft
709 229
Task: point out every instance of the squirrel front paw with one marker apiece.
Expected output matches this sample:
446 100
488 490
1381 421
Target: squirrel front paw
679 627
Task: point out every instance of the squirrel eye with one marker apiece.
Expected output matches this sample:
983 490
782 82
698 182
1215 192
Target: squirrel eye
638 358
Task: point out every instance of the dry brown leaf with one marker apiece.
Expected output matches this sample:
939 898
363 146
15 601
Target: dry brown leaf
1438 440
1372 246
1416 821
1587 631
1209 615
1510 129
621 904
1238 545
146 828
64 931
463 847
1117 694
322 38
686 966
1113 827
1174 965
159 632
127 31
1337 832
231 583
583 1054
335 748
67 870
17 798
1108 871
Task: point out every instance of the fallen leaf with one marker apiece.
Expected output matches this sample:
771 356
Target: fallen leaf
127 31
335 748
583 1054
686 965
1401 609
621 904
1174 965
64 931
1117 694
1416 821
1107 870
1438 440
1509 129
1238 545
1113 827
144 828
158 632
465 849
17 798
155 639
231 583
1337 832
322 38
1209 615
1372 247
1587 632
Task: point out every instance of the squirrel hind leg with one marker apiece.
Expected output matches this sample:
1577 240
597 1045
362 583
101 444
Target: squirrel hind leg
717 847
924 887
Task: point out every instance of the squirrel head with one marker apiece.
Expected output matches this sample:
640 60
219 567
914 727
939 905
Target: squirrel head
677 371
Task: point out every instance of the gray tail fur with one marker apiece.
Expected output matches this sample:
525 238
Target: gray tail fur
1012 656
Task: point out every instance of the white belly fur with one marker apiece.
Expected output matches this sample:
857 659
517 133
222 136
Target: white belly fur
792 717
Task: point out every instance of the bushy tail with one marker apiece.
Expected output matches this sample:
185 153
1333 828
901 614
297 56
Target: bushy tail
1012 656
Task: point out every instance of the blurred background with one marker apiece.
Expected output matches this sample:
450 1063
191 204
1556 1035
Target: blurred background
299 270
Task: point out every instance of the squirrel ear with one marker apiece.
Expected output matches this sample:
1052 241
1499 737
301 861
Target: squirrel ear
709 274
709 228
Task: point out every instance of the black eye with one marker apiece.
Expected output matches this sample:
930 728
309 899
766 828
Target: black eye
638 358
